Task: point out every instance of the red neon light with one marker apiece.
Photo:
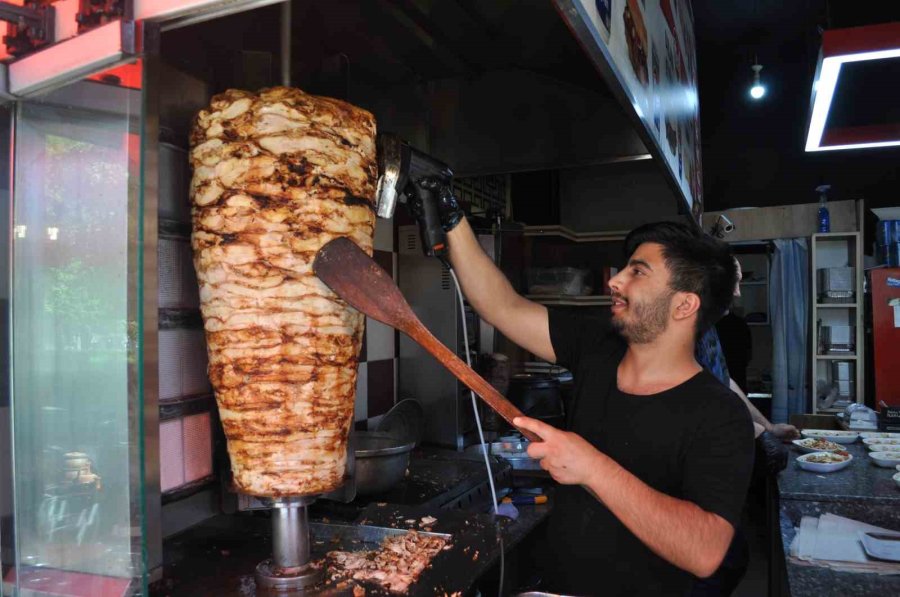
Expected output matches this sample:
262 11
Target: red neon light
856 40
127 75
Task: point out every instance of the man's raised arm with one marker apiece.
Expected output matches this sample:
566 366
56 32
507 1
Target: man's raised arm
486 288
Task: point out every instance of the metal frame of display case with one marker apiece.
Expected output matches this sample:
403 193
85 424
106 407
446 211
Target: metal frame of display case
150 316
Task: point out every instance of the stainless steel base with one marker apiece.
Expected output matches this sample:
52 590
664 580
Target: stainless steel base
269 576
289 567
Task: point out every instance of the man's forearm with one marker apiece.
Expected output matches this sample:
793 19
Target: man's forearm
485 286
678 531
757 416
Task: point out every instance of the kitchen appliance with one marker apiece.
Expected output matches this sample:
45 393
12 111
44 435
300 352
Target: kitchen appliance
427 286
884 285
538 396
843 377
836 284
838 339
402 170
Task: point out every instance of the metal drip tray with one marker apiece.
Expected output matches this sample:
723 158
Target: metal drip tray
327 537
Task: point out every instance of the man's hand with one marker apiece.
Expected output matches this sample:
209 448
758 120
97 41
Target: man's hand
774 454
448 209
567 456
784 432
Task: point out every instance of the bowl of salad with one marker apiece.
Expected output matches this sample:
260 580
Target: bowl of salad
824 462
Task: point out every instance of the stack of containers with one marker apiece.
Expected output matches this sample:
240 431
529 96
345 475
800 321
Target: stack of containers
887 235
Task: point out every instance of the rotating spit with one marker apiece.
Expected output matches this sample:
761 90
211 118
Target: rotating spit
289 568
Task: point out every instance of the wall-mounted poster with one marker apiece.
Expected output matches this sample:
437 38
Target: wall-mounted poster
651 46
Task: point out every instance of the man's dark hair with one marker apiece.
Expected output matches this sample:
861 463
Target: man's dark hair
698 263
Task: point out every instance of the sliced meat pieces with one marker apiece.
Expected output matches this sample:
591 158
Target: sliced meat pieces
395 566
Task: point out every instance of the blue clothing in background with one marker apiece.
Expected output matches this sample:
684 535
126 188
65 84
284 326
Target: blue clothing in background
708 352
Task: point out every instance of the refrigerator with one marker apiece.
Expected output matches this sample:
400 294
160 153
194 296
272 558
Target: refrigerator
885 291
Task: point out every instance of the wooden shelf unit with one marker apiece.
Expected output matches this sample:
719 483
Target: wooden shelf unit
836 249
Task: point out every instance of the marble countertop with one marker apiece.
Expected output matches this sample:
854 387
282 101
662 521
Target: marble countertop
862 491
861 481
817 581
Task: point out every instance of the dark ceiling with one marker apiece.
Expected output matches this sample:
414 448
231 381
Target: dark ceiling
387 42
753 151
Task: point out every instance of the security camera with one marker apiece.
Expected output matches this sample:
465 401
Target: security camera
722 227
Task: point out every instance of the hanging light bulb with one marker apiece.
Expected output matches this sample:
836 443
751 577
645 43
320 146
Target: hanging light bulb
758 89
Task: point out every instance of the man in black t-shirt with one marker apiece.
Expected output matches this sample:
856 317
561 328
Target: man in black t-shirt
655 464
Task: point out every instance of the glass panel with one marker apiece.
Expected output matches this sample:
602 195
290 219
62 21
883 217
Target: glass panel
7 540
76 386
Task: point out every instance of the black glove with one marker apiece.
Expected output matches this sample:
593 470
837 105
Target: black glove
449 211
773 453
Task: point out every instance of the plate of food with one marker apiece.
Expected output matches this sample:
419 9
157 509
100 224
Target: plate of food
885 459
832 435
881 444
824 462
812 444
879 435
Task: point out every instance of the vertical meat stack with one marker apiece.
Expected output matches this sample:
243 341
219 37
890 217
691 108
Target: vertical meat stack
277 175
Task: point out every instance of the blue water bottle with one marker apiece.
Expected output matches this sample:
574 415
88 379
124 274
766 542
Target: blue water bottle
823 217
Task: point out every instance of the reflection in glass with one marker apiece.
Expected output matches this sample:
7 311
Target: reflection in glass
75 336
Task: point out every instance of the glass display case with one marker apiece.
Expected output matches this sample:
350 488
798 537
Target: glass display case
76 519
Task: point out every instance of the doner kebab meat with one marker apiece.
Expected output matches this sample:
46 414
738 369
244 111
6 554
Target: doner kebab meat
277 175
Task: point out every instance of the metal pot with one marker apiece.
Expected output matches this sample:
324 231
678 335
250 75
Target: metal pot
381 461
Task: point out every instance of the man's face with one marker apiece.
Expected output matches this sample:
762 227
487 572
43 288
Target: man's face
641 296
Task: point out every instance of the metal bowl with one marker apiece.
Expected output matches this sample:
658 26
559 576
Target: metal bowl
381 461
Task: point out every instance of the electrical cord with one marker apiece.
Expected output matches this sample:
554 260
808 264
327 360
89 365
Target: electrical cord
484 450
487 461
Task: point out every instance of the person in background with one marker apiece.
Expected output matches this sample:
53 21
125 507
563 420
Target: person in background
771 459
737 344
709 354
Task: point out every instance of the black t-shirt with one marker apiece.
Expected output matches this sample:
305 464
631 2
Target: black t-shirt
693 442
737 346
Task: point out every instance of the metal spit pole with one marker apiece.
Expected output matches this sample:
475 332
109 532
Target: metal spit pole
290 536
286 43
289 567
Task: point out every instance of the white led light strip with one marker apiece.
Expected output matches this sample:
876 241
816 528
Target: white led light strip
825 86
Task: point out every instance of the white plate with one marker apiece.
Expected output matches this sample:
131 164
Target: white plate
821 467
832 435
882 546
896 476
881 443
802 444
879 435
885 459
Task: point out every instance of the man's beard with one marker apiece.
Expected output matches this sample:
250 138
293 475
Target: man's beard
647 319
